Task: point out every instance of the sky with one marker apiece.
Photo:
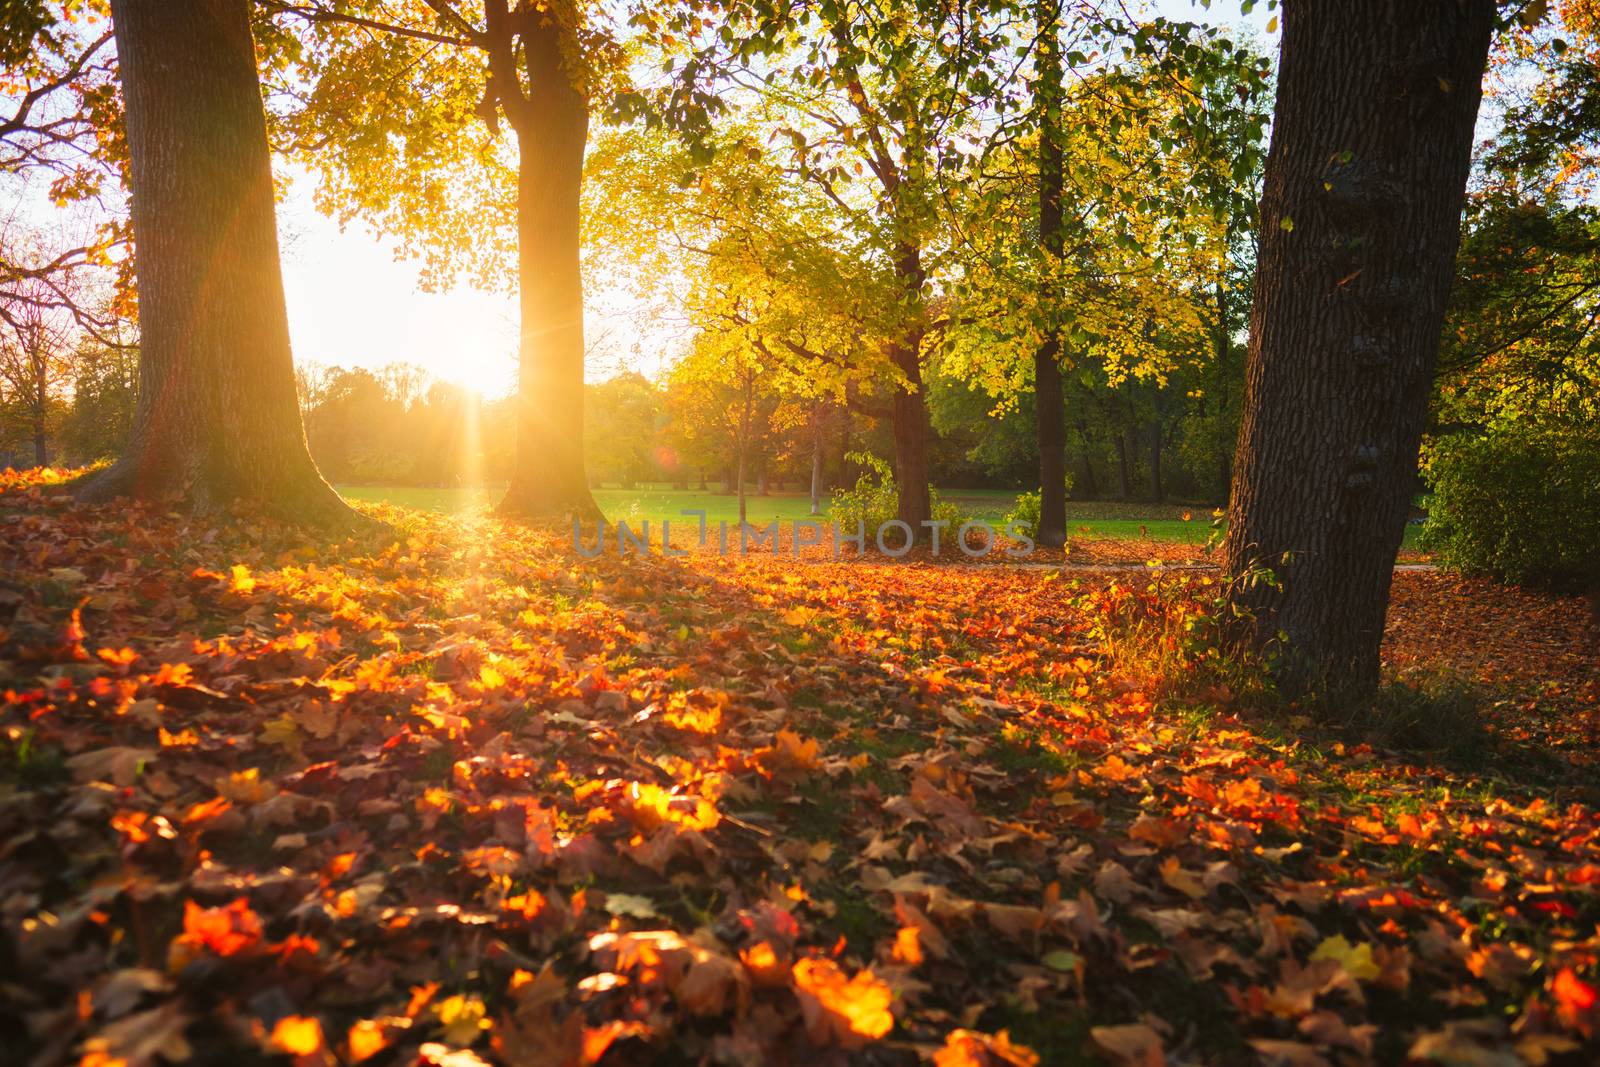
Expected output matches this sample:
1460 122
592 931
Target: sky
353 304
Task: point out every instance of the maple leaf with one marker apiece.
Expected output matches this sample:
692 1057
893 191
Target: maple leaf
789 757
969 1048
297 1035
713 984
1355 959
1133 1045
142 1040
117 764
225 931
365 1039
839 1010
1116 769
1577 1002
463 1018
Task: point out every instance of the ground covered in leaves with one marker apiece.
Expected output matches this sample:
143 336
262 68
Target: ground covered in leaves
453 795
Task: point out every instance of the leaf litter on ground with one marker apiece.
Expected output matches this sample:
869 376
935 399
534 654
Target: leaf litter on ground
454 795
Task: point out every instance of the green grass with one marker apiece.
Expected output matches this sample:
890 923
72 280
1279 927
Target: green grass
1159 522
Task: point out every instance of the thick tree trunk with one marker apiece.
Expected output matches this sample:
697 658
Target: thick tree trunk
1049 404
217 420
909 416
41 449
908 409
1360 217
548 479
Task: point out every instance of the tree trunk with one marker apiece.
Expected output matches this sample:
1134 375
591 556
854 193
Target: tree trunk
548 479
1049 403
1360 217
744 444
908 411
816 461
41 450
218 420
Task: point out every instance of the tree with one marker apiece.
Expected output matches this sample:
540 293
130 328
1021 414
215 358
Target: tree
105 396
391 122
1360 219
623 423
872 102
217 419
35 360
60 123
1050 418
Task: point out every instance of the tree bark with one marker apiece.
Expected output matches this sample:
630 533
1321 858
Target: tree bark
816 459
217 420
744 443
908 410
1049 403
1360 217
552 126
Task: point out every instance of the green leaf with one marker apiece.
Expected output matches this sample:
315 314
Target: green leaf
1061 960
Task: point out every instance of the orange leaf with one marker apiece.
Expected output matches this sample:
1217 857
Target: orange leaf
849 1011
968 1048
297 1035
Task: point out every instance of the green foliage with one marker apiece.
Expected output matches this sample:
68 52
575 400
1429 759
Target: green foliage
1519 504
105 390
622 423
1028 506
872 500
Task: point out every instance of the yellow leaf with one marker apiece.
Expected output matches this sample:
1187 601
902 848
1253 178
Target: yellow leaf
462 1018
297 1035
365 1039
1355 959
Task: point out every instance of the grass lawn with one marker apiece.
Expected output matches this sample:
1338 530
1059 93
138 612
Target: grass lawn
1160 522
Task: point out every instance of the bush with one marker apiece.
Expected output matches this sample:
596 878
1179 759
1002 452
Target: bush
874 500
1174 634
1519 505
1028 506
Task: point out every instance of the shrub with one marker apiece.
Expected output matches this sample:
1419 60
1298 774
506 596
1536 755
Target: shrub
1519 505
1026 511
874 500
1175 634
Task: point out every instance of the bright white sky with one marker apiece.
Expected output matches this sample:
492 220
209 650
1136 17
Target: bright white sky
352 304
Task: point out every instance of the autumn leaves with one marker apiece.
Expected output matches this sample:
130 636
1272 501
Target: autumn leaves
453 800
